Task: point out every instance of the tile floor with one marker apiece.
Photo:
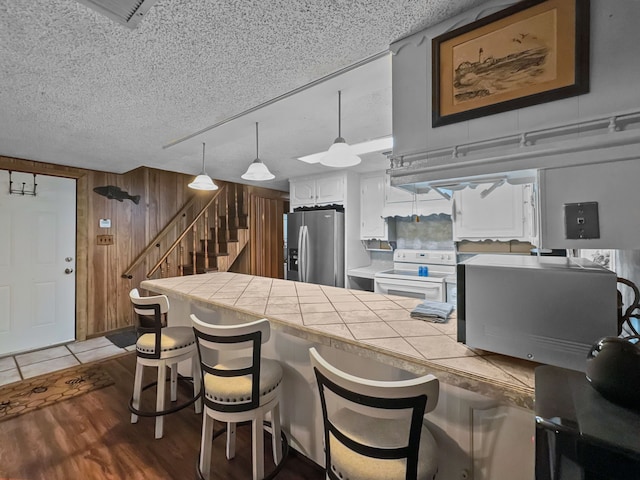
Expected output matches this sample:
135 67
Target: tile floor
31 364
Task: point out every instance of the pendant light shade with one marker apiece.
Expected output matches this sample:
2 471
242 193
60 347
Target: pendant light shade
339 154
203 181
257 171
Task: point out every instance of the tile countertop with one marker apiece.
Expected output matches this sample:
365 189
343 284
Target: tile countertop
369 324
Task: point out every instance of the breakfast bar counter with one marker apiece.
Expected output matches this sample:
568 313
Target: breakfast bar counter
373 326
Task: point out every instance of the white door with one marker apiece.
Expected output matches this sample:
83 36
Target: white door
37 262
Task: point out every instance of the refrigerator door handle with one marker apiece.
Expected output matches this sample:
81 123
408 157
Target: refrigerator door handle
301 253
306 253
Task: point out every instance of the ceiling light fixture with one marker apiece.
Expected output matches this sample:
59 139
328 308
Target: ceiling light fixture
203 181
257 171
376 145
340 154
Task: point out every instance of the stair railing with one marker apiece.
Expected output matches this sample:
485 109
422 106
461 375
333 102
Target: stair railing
184 233
165 231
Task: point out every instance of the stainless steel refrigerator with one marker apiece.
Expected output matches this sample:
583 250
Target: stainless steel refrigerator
315 244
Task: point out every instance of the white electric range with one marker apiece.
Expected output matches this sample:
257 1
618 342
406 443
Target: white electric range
404 279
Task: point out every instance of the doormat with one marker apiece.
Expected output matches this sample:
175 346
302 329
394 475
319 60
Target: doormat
123 339
44 390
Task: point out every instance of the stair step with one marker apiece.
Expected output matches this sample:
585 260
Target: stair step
228 234
211 246
188 270
211 255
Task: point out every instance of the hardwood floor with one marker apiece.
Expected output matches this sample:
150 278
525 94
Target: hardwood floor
91 437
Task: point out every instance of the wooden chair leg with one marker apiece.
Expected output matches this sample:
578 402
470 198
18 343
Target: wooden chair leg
160 389
257 445
174 382
205 445
231 440
276 443
137 390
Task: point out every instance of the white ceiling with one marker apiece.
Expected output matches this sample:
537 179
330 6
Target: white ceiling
78 89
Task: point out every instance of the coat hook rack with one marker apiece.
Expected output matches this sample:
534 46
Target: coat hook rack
22 191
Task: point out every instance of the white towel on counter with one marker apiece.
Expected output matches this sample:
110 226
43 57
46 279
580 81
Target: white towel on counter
432 311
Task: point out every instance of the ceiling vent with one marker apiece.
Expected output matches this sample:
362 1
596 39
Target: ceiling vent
126 12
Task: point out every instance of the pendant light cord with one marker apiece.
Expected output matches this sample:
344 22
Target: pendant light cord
257 140
203 170
339 116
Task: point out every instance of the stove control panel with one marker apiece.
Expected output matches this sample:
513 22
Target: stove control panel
434 257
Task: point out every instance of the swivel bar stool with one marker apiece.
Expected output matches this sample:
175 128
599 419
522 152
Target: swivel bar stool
238 389
160 346
373 430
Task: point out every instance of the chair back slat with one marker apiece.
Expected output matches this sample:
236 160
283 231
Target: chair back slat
150 318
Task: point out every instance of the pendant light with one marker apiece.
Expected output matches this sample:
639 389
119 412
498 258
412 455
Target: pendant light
203 181
339 154
257 171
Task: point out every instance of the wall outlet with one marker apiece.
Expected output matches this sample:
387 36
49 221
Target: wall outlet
581 220
104 240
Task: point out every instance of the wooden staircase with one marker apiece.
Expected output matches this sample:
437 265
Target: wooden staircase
223 241
208 234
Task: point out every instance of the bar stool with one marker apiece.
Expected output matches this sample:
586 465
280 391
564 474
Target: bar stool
238 389
160 346
373 430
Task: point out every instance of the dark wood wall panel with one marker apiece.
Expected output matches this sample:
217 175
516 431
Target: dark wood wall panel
102 295
267 240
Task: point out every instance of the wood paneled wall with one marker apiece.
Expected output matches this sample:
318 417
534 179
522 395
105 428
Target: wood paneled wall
267 245
102 302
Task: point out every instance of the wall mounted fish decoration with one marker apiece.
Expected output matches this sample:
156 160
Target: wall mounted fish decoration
116 193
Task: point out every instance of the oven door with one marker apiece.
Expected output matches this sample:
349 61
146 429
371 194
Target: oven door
410 288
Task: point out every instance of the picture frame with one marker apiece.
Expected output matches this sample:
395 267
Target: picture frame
533 52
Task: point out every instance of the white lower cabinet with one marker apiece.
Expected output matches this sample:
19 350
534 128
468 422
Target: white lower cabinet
488 212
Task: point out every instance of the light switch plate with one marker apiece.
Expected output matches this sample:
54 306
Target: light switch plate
581 220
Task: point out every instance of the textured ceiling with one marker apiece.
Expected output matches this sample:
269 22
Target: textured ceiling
78 89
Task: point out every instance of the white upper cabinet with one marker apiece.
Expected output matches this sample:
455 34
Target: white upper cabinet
403 203
395 194
372 199
324 190
330 189
302 192
507 212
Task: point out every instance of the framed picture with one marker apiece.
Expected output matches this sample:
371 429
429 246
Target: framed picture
532 52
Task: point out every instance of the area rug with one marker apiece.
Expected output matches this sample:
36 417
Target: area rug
44 390
123 339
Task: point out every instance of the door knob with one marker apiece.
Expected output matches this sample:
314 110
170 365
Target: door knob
68 270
